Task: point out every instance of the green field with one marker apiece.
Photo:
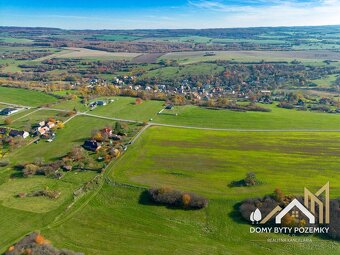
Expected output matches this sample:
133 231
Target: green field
115 222
125 108
326 82
111 220
277 119
25 97
121 38
185 71
15 40
71 105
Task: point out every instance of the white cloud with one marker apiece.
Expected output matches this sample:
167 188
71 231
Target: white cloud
273 13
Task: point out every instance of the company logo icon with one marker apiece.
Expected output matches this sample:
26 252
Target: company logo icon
295 207
256 216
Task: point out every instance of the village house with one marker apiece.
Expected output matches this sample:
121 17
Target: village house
97 103
106 131
9 111
101 103
169 107
3 131
16 133
50 124
44 129
116 138
91 145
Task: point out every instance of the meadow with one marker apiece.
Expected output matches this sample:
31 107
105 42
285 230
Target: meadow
125 108
277 119
22 215
119 221
184 71
25 97
15 40
308 57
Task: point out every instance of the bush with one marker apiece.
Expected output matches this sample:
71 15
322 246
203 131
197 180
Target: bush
256 108
8 121
334 226
175 198
249 180
30 169
51 194
285 105
266 205
36 244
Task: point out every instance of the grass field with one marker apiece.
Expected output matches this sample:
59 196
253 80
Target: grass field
115 222
19 216
250 56
25 97
69 183
125 108
326 82
15 40
185 71
115 37
114 219
277 119
70 105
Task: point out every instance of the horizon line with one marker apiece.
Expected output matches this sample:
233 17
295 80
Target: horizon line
136 29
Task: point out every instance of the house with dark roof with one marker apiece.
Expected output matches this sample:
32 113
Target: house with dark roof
169 107
91 145
16 133
8 111
3 131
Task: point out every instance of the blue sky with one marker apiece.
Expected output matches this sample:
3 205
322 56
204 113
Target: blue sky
137 14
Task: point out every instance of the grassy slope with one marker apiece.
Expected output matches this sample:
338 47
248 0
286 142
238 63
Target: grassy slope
25 97
116 223
19 216
74 134
278 119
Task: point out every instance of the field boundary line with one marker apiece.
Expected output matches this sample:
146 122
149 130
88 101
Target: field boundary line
242 130
28 114
16 105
